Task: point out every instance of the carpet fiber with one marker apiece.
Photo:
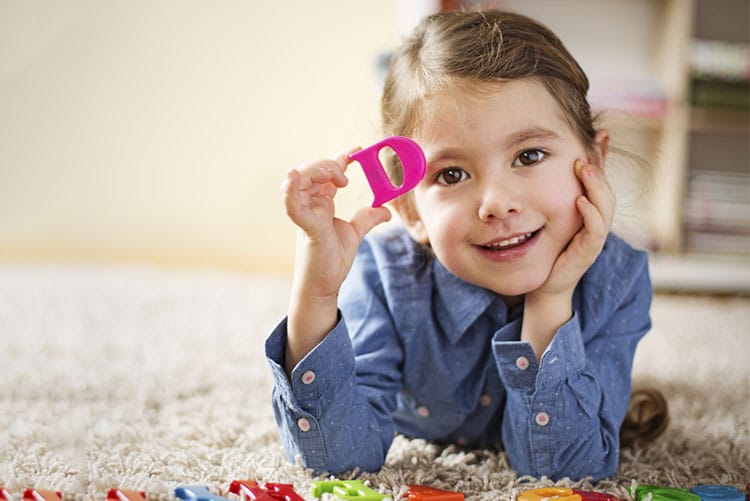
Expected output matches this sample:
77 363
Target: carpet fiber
147 379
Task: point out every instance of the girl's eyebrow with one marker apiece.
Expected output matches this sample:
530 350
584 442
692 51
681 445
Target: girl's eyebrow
532 133
449 153
511 141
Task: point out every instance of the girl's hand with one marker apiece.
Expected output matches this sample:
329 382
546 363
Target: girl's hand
550 306
326 247
326 244
596 206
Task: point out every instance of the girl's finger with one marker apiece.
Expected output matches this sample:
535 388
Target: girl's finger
326 171
595 227
343 157
597 188
367 218
291 193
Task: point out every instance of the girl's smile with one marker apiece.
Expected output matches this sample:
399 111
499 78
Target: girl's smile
497 205
510 248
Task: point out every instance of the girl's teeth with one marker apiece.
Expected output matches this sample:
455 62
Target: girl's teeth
511 241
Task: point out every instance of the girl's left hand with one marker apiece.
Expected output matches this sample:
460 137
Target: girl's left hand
549 306
597 207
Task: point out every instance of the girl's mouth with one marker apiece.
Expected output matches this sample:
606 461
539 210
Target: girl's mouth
511 242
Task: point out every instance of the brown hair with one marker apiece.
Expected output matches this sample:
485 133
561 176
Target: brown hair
471 48
481 48
646 418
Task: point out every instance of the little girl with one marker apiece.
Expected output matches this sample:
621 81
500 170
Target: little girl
502 312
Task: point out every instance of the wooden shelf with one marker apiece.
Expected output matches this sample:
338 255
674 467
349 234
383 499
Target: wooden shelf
719 120
700 273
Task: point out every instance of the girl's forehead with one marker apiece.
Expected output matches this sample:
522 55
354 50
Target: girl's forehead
502 106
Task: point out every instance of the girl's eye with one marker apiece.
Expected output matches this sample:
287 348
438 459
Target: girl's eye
528 157
451 175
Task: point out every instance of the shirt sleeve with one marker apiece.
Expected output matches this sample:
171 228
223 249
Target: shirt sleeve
563 415
335 411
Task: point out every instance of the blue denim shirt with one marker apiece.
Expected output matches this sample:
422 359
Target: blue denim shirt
418 351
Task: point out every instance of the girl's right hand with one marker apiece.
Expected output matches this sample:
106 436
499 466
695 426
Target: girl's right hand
326 247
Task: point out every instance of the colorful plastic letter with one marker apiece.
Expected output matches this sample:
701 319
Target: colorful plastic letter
250 489
663 493
196 493
348 490
285 492
427 493
718 493
412 160
595 496
556 493
126 495
41 495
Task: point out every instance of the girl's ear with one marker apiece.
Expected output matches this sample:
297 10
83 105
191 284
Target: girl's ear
406 209
601 146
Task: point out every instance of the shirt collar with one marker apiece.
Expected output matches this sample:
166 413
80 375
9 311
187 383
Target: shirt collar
458 304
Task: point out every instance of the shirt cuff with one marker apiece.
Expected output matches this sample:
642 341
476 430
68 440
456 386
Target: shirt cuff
516 361
317 376
565 356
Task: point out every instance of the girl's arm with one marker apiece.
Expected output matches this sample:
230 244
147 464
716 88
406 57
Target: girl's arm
563 415
550 306
326 246
332 411
563 419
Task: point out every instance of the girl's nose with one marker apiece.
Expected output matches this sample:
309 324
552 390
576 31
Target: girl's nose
498 201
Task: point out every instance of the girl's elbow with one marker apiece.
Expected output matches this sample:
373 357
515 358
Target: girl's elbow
339 459
594 465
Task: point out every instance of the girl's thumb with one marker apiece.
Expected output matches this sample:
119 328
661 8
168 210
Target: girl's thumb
367 218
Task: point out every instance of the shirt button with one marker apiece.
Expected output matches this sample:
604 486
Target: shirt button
303 424
423 411
462 441
307 377
522 363
485 400
542 418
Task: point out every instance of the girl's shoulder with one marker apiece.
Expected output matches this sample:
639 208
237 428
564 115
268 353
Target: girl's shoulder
620 268
621 255
392 249
390 266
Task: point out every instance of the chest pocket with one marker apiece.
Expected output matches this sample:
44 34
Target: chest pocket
426 417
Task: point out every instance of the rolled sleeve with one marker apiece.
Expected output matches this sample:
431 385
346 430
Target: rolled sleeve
302 402
322 414
564 357
516 362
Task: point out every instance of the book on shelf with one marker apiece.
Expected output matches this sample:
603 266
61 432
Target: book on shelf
717 212
720 74
642 98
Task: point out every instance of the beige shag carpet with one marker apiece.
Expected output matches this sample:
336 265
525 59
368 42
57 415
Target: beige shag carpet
145 378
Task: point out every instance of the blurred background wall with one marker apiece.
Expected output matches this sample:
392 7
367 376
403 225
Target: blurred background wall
160 131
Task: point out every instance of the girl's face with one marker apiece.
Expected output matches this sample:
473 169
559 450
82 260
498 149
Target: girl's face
497 204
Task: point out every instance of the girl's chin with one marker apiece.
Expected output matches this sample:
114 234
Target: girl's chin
516 292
